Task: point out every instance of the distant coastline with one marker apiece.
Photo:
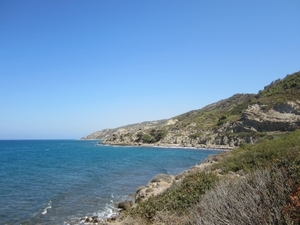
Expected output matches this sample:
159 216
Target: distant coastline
205 147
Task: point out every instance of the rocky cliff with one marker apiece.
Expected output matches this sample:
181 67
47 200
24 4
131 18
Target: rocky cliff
242 118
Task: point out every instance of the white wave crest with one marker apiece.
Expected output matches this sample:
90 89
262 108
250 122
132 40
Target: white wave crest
109 212
47 207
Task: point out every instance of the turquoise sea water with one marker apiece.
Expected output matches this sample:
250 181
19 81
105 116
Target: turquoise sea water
61 181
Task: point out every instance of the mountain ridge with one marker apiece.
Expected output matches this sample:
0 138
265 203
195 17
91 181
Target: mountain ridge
241 118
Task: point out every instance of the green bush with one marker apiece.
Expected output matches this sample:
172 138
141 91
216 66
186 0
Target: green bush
264 154
158 134
178 199
147 138
221 120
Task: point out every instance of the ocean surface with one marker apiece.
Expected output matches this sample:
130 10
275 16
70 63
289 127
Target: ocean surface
62 181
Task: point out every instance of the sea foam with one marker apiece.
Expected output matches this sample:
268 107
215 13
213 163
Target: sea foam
46 208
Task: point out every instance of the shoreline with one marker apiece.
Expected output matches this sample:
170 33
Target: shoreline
157 189
118 217
204 147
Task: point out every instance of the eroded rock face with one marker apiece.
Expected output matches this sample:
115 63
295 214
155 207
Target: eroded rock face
288 107
156 185
282 117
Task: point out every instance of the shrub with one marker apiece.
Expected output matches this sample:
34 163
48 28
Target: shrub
221 120
147 138
158 134
264 154
178 199
139 136
257 199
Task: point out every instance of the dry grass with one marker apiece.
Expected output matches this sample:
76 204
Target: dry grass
257 199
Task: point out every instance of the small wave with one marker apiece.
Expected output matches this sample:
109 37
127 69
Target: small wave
176 147
46 208
109 212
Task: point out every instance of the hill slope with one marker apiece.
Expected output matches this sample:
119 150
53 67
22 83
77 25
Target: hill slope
242 118
253 184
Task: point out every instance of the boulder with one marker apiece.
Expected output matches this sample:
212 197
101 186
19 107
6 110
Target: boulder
124 205
162 178
156 185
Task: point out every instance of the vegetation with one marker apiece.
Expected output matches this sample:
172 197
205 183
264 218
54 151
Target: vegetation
259 198
179 199
280 91
269 192
158 134
289 85
151 137
254 184
216 114
264 154
147 138
231 109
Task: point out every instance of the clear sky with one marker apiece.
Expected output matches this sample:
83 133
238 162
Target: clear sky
69 68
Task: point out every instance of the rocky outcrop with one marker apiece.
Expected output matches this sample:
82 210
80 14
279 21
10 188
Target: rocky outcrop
156 185
124 205
282 117
163 182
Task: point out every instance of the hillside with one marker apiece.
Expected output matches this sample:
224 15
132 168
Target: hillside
252 184
242 118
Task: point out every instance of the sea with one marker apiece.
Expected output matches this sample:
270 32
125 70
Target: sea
63 181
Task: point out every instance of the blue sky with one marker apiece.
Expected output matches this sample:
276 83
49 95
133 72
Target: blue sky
69 68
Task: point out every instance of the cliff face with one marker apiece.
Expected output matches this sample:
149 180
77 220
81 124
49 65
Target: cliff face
282 117
242 118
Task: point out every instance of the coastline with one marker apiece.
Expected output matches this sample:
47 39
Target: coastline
205 147
156 185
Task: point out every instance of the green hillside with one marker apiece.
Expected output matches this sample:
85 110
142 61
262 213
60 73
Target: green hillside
216 114
231 109
280 91
253 184
242 118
